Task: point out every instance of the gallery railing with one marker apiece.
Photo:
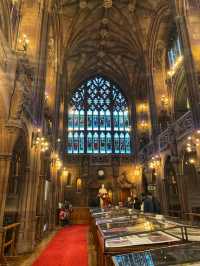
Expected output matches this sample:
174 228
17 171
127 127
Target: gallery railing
9 239
174 133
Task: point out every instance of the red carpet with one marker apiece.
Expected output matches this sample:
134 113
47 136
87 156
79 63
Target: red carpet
67 248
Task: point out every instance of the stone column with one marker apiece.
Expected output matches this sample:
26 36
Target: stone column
28 209
152 104
8 137
184 32
5 162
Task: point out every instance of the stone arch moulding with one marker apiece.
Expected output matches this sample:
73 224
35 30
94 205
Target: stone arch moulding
179 93
4 6
162 11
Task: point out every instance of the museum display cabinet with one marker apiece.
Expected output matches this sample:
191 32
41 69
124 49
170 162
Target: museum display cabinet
103 216
123 231
182 255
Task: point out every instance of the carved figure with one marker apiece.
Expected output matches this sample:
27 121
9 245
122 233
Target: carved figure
123 181
103 193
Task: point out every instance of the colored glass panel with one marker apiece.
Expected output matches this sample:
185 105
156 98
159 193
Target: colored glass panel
102 143
76 120
82 120
108 120
126 120
122 143
116 143
96 143
70 143
89 120
76 143
70 120
102 120
89 143
116 120
127 143
81 143
95 120
121 120
108 143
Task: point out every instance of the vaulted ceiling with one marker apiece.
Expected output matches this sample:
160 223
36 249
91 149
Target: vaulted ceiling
106 39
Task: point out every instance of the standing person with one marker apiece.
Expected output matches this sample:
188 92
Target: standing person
148 203
129 203
137 204
62 216
156 205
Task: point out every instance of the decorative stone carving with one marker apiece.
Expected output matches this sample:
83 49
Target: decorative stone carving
184 125
22 96
159 55
123 181
3 57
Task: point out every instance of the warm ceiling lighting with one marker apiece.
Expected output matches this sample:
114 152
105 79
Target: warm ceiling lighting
142 107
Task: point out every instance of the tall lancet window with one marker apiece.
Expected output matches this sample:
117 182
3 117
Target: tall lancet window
98 119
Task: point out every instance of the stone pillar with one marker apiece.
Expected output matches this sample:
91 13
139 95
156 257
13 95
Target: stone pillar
5 162
7 140
29 203
152 104
185 31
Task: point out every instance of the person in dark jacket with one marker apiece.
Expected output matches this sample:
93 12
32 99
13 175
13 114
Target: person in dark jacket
148 203
156 205
137 204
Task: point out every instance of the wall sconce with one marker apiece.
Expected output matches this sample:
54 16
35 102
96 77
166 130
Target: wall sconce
143 125
38 141
193 142
142 107
58 164
24 43
78 184
155 162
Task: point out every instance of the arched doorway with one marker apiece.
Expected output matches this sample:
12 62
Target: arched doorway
15 192
171 188
191 182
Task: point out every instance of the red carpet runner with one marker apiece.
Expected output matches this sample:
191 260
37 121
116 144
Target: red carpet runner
67 248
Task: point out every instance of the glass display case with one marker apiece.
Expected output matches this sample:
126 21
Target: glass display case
118 231
111 212
185 254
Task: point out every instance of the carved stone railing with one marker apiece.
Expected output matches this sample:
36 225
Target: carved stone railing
178 130
184 125
146 152
163 140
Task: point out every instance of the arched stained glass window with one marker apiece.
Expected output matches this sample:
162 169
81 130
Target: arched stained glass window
174 51
98 119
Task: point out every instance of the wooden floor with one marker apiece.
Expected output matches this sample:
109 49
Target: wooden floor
28 259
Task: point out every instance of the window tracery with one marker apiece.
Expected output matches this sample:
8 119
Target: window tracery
98 119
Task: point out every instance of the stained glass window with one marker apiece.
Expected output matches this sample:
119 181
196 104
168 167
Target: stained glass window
98 119
174 52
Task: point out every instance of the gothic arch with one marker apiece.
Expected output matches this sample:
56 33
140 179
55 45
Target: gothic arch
5 20
156 53
180 100
171 187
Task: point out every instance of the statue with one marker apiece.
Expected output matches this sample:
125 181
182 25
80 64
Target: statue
103 194
123 182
